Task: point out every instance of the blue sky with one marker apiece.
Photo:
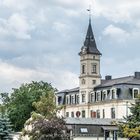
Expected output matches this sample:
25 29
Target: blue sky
40 39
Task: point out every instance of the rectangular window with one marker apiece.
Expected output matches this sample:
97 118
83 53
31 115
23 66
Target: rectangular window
93 82
67 114
135 93
84 130
94 68
98 96
93 114
67 100
72 99
77 99
83 82
103 113
104 95
83 98
113 93
113 113
83 69
59 100
98 113
92 97
83 114
72 114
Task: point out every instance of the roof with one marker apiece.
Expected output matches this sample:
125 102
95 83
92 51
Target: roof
110 127
91 121
118 81
89 43
108 83
69 90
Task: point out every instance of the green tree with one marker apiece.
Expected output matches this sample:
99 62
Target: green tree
131 128
5 128
49 129
45 123
19 105
5 124
46 106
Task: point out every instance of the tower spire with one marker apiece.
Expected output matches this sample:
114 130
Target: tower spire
89 43
89 10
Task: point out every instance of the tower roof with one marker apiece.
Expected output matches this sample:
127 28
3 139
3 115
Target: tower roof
89 43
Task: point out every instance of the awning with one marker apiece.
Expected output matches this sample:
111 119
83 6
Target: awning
110 128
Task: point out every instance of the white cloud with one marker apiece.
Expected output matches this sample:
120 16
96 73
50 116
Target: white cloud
65 80
13 76
16 26
17 4
116 33
60 26
72 3
20 26
117 10
41 16
72 13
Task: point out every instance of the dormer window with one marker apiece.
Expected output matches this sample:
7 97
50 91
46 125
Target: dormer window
98 95
59 100
77 99
72 99
113 93
92 97
104 94
83 96
67 99
135 93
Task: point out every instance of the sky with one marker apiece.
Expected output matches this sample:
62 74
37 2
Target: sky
41 39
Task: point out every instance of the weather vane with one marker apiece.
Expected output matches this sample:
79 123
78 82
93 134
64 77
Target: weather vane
89 10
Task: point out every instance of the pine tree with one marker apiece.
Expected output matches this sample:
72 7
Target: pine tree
131 128
5 125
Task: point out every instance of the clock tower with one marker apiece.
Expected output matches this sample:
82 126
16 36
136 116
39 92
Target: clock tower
89 66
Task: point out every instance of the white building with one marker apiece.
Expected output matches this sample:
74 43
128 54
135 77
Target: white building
96 97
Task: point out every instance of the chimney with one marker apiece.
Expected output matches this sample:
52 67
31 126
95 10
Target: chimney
108 77
137 75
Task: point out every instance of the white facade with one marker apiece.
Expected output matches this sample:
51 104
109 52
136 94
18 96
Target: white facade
97 98
121 109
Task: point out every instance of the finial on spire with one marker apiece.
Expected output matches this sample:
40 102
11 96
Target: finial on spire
89 10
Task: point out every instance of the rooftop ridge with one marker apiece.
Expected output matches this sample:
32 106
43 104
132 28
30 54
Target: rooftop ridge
119 78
